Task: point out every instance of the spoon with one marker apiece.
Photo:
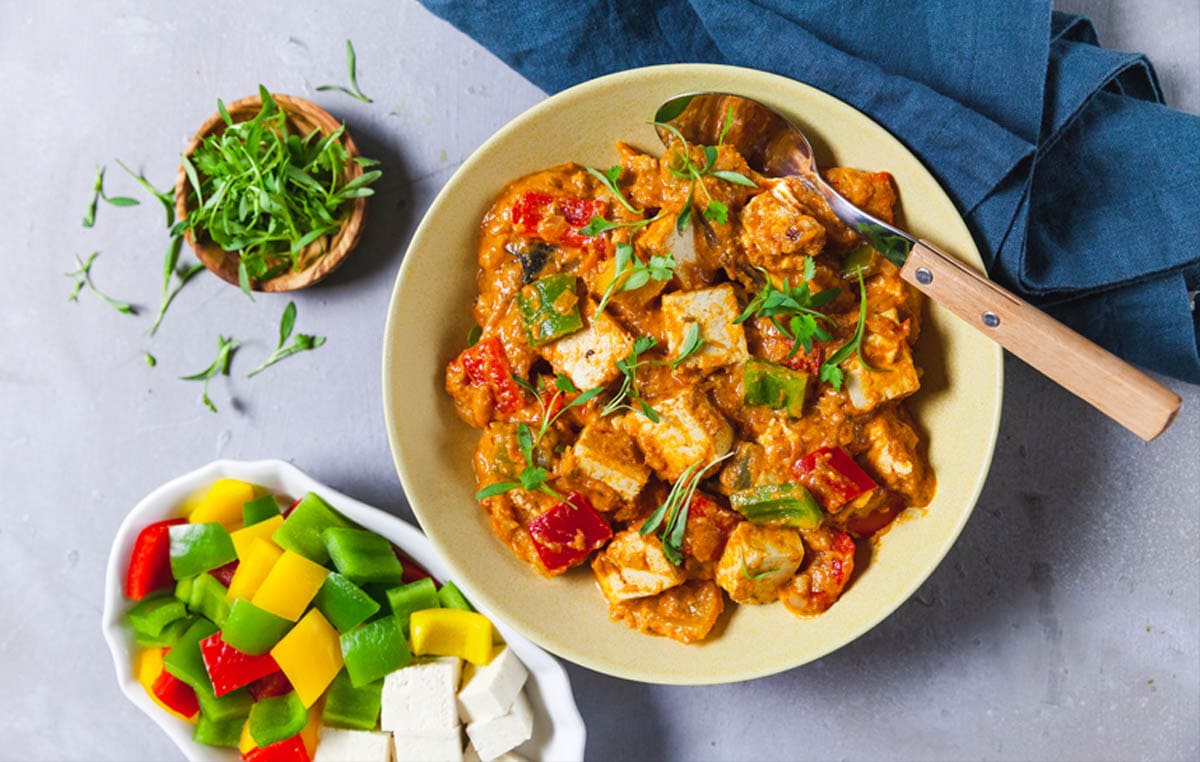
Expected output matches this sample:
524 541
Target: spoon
776 147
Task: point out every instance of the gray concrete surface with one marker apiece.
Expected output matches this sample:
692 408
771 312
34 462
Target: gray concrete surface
1063 625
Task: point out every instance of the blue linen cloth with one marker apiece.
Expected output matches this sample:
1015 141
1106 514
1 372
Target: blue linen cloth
1081 187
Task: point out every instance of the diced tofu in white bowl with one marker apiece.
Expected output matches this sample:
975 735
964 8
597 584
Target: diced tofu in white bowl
517 705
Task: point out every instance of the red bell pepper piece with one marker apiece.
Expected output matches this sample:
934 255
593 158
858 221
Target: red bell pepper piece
288 750
176 694
224 574
485 364
543 215
150 563
229 668
866 526
291 508
413 571
833 477
565 535
274 684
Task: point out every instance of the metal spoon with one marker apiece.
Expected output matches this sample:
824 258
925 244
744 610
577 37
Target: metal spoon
776 147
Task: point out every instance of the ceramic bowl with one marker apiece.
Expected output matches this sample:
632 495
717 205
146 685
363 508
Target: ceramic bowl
558 729
957 410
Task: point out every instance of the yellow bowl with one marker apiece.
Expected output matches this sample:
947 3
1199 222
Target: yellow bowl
957 409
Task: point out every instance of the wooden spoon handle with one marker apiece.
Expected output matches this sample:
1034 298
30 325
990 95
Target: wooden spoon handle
1108 383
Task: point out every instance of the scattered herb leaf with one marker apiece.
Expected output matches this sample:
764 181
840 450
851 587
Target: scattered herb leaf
83 278
758 575
830 371
725 127
183 274
794 310
693 340
672 515
630 273
683 167
220 366
628 366
166 198
474 335
352 69
302 343
89 217
150 359
609 180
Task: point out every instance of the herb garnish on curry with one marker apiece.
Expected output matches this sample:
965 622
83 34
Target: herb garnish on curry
693 375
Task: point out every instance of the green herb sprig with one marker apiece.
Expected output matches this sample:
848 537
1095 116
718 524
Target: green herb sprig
631 273
220 366
302 343
758 575
609 180
267 193
693 340
672 515
352 67
533 477
793 310
629 394
830 371
597 224
684 168
89 216
83 279
166 198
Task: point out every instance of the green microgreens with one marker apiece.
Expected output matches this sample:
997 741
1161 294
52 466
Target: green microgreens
83 278
533 477
673 513
830 371
693 340
302 343
609 180
631 273
793 309
597 224
726 126
628 366
267 193
225 349
352 67
164 197
758 575
684 168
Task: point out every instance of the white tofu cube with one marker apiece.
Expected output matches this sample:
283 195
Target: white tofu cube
489 691
713 310
589 357
634 566
690 430
470 755
442 747
493 737
420 699
336 745
609 457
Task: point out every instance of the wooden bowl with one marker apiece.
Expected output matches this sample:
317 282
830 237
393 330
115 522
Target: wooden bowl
302 117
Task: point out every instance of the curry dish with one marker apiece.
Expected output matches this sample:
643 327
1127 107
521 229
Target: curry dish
690 377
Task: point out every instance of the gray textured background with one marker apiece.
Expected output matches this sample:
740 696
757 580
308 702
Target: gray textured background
1064 624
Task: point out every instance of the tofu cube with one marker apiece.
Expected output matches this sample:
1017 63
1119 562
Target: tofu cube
690 430
420 699
713 310
895 376
494 737
589 357
470 755
489 691
633 565
609 457
758 560
336 745
441 747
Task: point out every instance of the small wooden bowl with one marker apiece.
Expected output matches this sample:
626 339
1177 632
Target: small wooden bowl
302 118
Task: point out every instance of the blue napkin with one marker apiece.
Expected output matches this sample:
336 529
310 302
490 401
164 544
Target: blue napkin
1081 187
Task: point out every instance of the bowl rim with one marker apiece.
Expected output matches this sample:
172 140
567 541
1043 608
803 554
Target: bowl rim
407 478
343 241
567 735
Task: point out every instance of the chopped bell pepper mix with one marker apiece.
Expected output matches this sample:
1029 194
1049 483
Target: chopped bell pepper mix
253 568
230 669
774 386
301 530
252 630
260 509
150 564
243 538
549 309
374 650
223 503
350 706
223 733
148 668
176 695
276 718
414 596
486 366
452 598
362 556
344 604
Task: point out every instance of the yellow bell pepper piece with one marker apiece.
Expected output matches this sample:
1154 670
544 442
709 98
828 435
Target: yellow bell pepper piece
244 537
223 503
310 656
292 582
246 744
310 734
253 568
452 632
147 666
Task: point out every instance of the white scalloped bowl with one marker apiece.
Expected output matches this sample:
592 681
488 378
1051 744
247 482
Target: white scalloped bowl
558 732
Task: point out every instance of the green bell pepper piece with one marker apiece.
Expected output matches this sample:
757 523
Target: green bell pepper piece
183 589
196 548
373 650
208 598
259 509
778 504
452 598
234 705
862 259
252 630
301 531
777 387
184 660
151 615
276 718
169 635
415 596
549 308
351 707
344 604
224 733
362 556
